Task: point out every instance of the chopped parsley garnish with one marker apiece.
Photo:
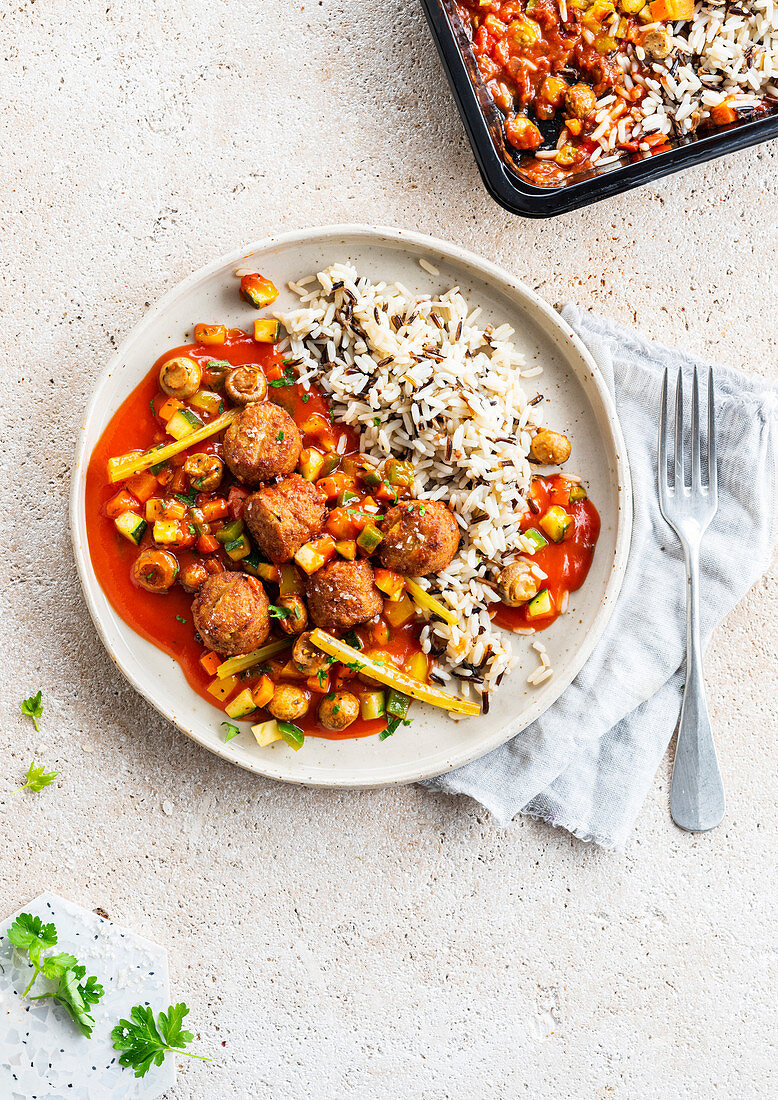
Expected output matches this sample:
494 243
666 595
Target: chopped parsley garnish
280 437
306 398
376 421
212 364
336 709
391 725
189 501
276 612
356 666
37 778
33 708
287 379
232 731
321 676
180 619
151 406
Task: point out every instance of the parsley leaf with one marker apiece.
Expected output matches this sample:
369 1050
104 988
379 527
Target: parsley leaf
306 398
232 731
144 1041
276 612
356 666
74 995
391 725
33 708
180 618
37 778
30 934
376 421
189 501
280 437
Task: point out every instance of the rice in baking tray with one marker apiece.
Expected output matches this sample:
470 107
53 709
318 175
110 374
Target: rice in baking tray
425 378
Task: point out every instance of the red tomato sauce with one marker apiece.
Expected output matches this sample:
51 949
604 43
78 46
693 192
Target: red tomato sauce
566 563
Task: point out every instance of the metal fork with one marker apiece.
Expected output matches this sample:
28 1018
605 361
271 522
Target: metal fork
697 793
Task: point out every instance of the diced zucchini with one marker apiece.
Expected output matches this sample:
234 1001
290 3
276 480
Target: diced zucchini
292 734
310 463
239 548
398 473
369 538
313 555
131 526
266 732
556 523
252 562
230 531
210 334
330 465
372 705
290 583
541 605
266 330
347 549
166 531
397 704
417 667
534 536
258 290
241 705
268 572
371 478
577 492
182 423
398 612
353 639
344 497
209 402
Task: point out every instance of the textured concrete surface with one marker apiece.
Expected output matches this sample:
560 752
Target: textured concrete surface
389 943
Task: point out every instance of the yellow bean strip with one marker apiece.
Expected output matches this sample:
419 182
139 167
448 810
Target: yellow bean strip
392 677
128 465
248 660
423 599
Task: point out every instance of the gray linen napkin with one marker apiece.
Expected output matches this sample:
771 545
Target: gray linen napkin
587 764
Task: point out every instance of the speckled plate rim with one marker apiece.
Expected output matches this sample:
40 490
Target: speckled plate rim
292 769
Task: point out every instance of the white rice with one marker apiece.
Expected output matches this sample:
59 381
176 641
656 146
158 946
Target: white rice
425 379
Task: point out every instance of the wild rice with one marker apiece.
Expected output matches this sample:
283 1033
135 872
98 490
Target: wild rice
446 395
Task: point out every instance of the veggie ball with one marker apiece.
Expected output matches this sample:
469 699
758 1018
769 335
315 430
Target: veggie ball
261 443
284 516
420 537
230 612
342 595
338 710
550 448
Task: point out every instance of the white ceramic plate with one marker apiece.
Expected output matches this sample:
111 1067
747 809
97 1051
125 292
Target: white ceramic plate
577 403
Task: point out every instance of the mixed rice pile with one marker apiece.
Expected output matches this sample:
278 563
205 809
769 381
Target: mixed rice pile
725 56
424 380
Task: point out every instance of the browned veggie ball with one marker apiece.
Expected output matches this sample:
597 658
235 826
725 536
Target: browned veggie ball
580 101
261 443
282 517
155 570
246 384
205 472
288 703
342 595
550 448
192 576
230 613
339 710
297 619
420 536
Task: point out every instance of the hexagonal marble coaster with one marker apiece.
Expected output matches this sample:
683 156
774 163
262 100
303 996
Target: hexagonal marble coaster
42 1052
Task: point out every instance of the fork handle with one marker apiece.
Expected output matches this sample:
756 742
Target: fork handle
697 793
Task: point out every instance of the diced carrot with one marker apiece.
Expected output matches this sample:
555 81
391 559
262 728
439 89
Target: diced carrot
321 687
214 509
671 10
210 662
122 502
723 114
263 692
316 553
207 544
210 334
335 484
171 405
236 498
574 125
339 524
143 485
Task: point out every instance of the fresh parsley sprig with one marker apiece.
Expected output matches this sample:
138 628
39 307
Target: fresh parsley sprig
30 934
276 612
37 778
33 708
145 1042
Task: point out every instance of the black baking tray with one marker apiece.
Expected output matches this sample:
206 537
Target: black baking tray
498 162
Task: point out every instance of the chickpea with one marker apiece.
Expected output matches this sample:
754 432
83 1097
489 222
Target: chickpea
517 583
550 448
338 710
307 657
297 619
155 570
180 377
246 384
288 703
580 101
192 576
205 472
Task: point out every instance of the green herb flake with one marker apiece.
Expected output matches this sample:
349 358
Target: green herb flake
144 1041
33 708
280 437
37 778
232 731
180 619
276 612
306 398
376 421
